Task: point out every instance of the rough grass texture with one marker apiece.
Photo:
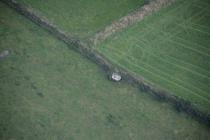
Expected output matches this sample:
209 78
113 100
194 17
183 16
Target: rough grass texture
131 18
85 50
83 18
170 49
49 92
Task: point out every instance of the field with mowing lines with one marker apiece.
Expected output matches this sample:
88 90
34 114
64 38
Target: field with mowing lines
49 92
171 49
83 17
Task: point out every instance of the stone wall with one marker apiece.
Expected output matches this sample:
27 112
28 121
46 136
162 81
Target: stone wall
86 51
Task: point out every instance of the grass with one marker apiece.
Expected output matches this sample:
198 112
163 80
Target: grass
49 92
83 18
170 48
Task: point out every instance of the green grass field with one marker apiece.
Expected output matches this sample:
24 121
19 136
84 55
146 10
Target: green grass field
48 92
171 49
83 17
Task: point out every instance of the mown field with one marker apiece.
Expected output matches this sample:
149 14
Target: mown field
49 92
171 49
83 18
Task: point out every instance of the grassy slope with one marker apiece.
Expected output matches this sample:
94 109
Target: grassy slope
83 17
49 92
170 48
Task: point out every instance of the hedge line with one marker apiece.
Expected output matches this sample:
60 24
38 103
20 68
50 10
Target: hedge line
86 51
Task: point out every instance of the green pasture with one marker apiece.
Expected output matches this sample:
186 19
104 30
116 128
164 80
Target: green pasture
83 18
170 49
49 92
